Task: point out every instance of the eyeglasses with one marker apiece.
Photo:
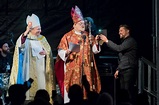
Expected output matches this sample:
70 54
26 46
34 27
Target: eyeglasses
81 23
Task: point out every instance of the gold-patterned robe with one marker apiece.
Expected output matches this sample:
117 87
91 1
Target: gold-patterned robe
73 73
33 67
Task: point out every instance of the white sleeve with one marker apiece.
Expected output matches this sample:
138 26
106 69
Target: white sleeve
95 50
62 54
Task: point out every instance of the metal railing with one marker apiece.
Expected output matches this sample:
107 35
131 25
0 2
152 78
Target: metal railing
147 80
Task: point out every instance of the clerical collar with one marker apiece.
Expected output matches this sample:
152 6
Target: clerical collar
33 37
78 33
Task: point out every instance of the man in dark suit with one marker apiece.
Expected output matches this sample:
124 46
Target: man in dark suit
128 60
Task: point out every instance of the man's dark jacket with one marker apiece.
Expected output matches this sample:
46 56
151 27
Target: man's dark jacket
127 50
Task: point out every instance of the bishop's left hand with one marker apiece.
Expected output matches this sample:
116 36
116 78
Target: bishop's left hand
97 38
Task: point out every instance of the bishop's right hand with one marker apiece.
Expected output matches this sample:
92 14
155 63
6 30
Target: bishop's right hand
68 52
71 55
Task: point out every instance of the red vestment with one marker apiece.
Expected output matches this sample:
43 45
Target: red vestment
74 67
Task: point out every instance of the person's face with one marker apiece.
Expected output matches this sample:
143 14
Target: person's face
36 30
123 32
79 26
5 48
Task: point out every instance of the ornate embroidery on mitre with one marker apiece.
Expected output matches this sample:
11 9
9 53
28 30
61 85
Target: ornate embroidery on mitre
76 14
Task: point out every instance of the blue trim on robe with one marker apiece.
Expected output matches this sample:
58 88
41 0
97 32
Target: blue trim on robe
20 79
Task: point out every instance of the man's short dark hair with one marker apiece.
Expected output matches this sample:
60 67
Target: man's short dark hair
2 43
125 26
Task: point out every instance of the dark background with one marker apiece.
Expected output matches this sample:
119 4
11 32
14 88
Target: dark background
56 19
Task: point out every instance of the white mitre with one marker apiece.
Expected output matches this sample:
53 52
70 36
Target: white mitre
34 19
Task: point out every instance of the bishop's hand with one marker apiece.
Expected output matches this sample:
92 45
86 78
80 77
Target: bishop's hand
28 29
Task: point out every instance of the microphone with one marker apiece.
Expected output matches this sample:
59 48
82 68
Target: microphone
84 37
